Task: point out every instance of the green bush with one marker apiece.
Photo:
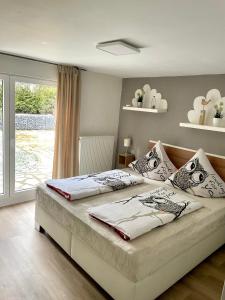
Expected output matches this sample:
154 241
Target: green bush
35 100
40 100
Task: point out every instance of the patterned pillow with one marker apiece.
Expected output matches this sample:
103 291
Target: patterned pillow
198 177
155 164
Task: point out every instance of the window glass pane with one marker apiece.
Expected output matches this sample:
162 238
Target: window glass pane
1 138
34 122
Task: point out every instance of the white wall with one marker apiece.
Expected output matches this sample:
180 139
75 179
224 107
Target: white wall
23 67
100 104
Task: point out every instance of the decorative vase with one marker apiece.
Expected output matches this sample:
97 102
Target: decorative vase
139 104
202 117
217 122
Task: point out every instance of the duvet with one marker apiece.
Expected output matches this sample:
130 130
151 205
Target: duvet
93 184
139 214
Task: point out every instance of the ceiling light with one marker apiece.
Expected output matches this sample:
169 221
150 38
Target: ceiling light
117 48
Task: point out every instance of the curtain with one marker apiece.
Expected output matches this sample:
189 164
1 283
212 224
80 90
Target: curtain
66 151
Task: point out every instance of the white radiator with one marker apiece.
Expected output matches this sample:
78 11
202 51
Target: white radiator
96 154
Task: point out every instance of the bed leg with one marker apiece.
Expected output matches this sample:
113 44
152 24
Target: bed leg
39 228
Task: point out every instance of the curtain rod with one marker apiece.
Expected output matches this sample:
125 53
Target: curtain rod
35 59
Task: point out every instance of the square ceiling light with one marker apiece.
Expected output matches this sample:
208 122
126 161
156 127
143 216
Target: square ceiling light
117 48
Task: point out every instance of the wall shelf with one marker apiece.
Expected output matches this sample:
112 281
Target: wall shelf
150 110
203 127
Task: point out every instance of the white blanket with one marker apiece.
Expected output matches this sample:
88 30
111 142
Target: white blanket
93 184
139 214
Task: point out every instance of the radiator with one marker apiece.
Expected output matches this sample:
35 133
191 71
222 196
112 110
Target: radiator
96 153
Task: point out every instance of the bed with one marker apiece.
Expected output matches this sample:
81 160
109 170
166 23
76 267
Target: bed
145 267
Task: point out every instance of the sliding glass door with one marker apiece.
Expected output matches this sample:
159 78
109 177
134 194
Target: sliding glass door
26 136
33 122
4 137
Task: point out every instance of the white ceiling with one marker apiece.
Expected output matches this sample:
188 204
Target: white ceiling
179 37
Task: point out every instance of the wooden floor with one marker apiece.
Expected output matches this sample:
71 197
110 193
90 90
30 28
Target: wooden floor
33 267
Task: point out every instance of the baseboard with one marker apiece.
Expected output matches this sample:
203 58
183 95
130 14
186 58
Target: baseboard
9 202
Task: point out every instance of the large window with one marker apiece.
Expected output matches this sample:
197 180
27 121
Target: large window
34 125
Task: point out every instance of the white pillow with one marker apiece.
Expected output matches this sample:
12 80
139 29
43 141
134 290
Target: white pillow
198 177
155 164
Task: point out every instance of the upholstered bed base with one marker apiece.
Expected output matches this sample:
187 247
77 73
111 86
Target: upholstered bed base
116 284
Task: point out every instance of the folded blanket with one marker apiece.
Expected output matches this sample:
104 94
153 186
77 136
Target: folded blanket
93 184
139 214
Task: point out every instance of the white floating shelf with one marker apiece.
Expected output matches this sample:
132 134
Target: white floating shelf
150 110
203 127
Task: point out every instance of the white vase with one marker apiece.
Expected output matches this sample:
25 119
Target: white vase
217 122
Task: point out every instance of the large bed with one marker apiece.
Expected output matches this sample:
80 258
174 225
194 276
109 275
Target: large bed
144 267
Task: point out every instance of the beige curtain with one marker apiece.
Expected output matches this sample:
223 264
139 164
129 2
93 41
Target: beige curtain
66 152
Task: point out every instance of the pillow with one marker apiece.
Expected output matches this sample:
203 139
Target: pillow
198 177
155 164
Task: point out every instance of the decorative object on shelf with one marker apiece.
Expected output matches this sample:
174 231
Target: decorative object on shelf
202 117
125 159
149 98
218 117
153 102
217 122
203 112
139 103
139 96
134 102
127 143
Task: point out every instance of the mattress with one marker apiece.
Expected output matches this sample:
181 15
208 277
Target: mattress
143 256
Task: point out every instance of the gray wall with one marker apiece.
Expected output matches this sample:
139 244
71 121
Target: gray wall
180 93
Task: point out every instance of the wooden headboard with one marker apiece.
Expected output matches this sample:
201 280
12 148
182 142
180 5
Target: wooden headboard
179 156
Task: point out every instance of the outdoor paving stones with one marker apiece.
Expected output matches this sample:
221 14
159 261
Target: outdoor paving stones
34 155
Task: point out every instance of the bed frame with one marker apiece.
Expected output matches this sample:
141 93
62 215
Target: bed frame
116 284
